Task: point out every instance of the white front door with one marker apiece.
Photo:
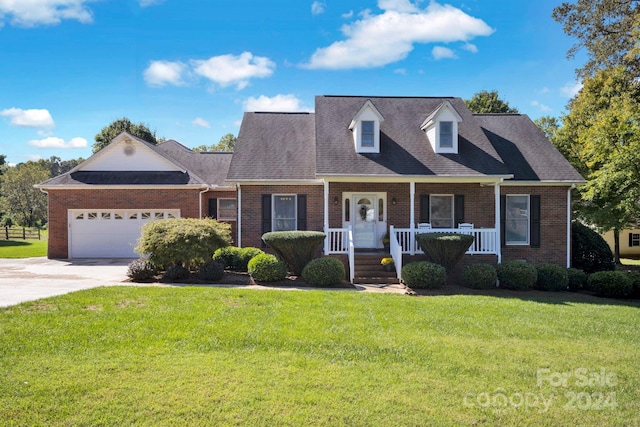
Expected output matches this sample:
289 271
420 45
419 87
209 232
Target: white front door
365 219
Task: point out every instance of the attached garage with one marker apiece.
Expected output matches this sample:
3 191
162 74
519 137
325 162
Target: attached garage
109 233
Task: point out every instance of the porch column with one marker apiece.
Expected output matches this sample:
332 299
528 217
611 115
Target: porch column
497 209
326 217
412 216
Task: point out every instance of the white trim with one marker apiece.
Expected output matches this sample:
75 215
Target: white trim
368 113
498 241
453 209
569 225
394 179
506 203
318 181
218 208
295 210
326 217
239 222
541 183
134 187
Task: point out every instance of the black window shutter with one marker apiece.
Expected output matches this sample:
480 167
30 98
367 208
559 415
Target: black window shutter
458 206
302 211
213 208
535 221
503 220
424 208
630 239
266 215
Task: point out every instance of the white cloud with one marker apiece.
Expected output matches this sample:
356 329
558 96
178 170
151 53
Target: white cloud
200 122
54 142
542 107
229 69
470 47
30 13
377 40
571 89
440 52
28 118
147 3
160 73
544 90
279 103
318 7
347 15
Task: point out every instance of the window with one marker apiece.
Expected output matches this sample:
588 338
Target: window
367 129
441 211
446 134
227 209
634 239
517 220
284 213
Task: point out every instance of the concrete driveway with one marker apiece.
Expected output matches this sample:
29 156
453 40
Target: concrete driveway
29 279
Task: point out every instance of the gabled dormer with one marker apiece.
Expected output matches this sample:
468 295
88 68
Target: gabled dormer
365 127
441 127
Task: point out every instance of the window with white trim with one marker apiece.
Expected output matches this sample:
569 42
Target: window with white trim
367 129
446 134
517 220
284 215
227 209
441 211
634 240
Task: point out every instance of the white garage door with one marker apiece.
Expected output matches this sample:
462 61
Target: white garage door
109 233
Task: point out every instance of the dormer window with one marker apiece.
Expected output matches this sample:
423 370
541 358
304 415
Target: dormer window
441 127
366 129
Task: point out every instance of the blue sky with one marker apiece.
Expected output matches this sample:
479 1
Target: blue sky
189 68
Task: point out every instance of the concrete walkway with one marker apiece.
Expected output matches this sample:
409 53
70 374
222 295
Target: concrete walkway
29 279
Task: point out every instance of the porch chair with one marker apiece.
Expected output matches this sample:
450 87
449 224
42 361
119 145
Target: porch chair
424 226
465 226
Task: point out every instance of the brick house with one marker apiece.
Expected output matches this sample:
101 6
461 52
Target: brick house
359 169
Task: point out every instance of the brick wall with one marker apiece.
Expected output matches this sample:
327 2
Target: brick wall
62 200
221 195
252 208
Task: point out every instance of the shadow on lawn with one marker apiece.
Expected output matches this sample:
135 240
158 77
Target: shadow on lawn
543 297
4 243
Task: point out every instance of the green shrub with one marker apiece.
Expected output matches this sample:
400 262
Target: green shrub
211 271
245 256
424 275
480 276
589 251
577 278
267 268
445 249
228 256
324 271
176 272
635 282
518 275
611 284
295 248
141 270
182 241
552 277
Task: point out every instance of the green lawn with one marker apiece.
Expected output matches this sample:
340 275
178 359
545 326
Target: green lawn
206 356
22 248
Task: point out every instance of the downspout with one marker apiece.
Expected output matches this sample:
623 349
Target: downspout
200 201
239 216
498 242
569 225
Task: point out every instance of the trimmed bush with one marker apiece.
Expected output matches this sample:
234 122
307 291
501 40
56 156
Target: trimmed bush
589 251
445 249
611 284
141 270
211 271
228 256
324 271
635 282
517 275
245 256
182 241
423 275
267 268
577 278
552 277
295 248
480 276
176 272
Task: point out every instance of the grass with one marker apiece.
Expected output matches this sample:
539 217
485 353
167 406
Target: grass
23 248
629 261
206 356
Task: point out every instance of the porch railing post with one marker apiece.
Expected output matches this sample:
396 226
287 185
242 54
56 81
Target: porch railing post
326 218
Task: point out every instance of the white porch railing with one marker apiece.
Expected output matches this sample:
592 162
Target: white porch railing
484 242
396 251
341 242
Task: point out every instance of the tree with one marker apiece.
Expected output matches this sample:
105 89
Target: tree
118 126
227 144
488 102
57 166
601 137
608 29
26 204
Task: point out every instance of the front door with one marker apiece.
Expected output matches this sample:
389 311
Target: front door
365 218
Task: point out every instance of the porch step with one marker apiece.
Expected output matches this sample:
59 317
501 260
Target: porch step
368 270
